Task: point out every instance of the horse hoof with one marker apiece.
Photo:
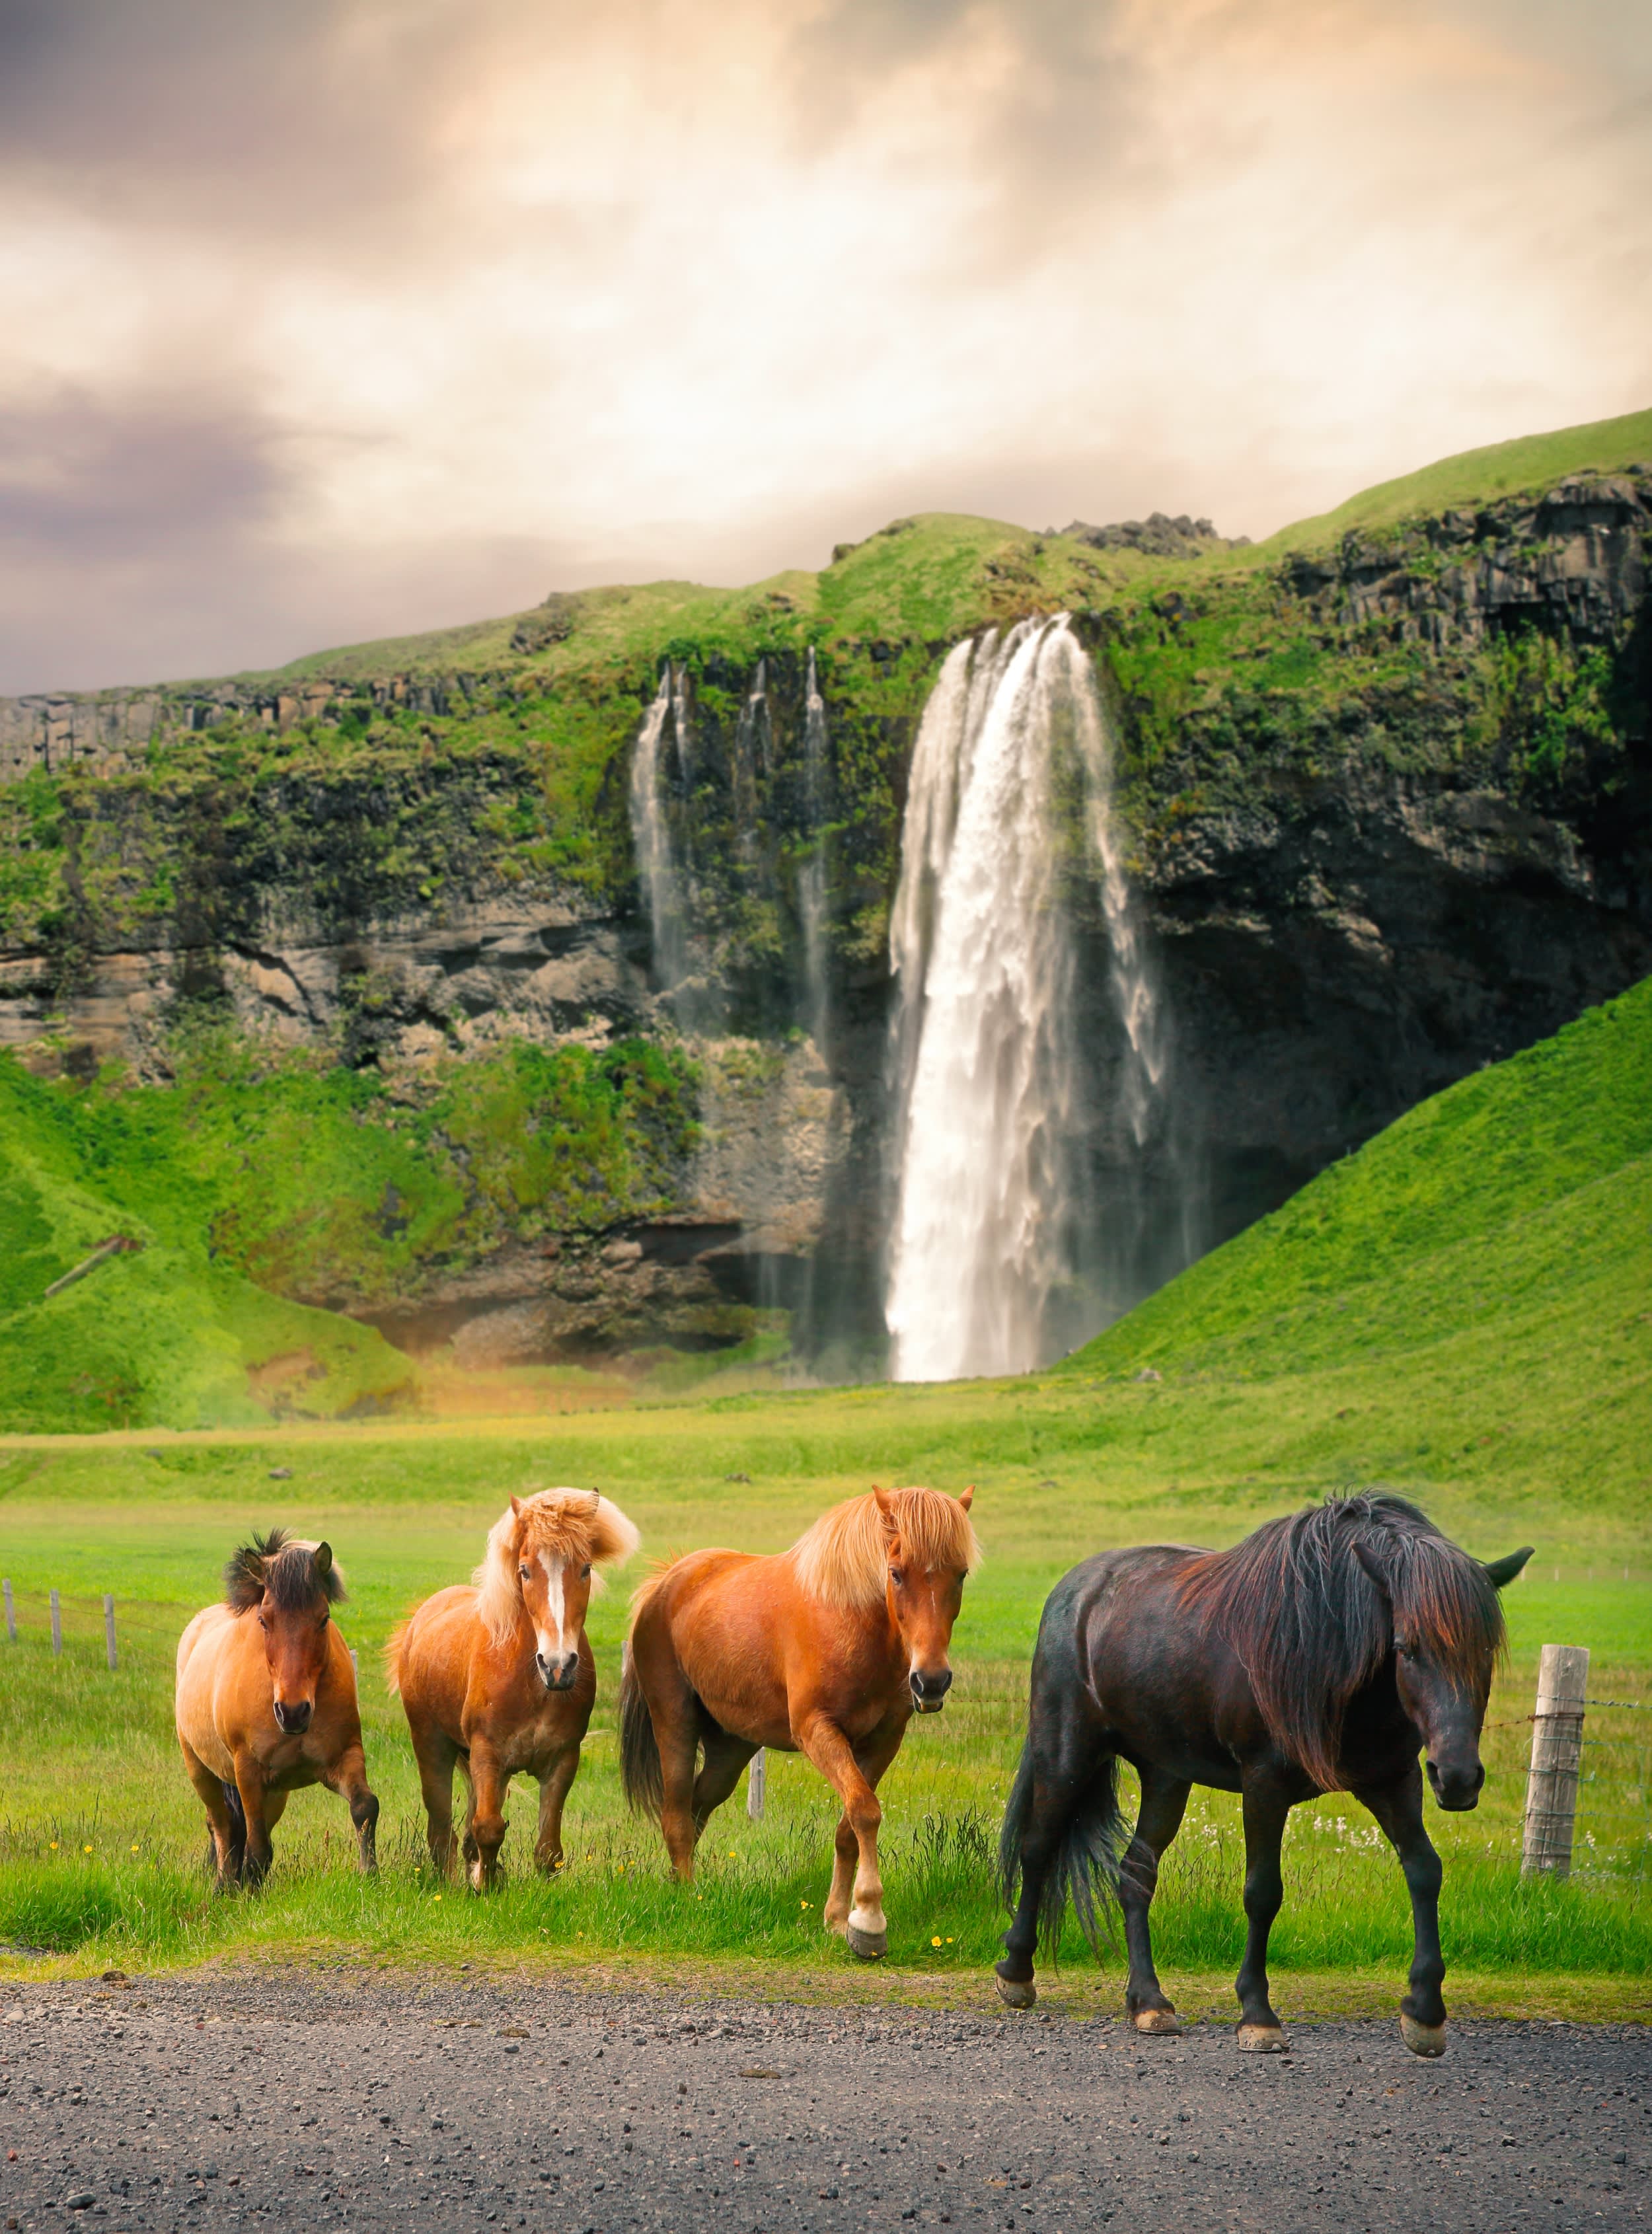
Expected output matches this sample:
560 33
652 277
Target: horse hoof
1422 2039
870 1946
1015 1993
1164 2023
1263 2040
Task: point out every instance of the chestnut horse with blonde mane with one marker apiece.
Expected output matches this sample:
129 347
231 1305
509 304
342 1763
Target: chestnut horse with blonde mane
498 1678
265 1702
826 1649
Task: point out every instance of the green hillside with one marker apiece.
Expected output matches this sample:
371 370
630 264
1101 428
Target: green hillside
1483 1266
164 1336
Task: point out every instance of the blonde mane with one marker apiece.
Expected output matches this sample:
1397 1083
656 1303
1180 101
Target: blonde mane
576 1525
843 1559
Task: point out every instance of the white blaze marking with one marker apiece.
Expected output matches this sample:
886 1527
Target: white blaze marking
552 1640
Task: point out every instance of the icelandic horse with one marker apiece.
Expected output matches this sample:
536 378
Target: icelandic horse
1323 1652
265 1702
498 1678
826 1649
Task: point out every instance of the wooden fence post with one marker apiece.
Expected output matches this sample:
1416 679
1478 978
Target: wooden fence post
754 1783
108 1629
57 1627
1556 1755
11 1615
355 1664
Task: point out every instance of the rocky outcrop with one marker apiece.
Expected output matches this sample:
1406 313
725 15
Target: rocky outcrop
1158 536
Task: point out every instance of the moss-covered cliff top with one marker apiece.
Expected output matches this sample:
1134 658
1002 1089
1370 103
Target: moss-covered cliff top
936 576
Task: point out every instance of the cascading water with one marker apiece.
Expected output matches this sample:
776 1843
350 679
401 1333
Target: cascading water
812 880
989 1238
651 837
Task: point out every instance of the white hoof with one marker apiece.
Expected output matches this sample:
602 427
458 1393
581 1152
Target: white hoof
867 1932
1164 2023
1263 2040
1422 2039
1015 1993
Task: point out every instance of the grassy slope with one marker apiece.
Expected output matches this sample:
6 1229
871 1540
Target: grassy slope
1494 1246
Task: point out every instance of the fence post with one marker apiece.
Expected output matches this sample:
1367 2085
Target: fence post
57 1627
355 1664
108 1629
11 1615
1556 1755
755 1784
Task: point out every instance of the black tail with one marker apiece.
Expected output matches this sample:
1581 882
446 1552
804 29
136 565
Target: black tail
639 1751
1084 1866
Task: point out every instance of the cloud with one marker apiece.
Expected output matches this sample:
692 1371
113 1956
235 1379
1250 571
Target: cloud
334 317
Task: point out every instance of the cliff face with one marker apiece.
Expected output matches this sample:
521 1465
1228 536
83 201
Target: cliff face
1392 807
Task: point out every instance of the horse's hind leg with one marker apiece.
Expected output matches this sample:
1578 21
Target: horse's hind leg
437 1756
1398 1808
226 1832
1066 1771
725 1760
1265 1809
1162 1801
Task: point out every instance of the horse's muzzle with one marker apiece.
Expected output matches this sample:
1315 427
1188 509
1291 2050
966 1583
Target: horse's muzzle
929 1692
294 1715
1457 1791
558 1674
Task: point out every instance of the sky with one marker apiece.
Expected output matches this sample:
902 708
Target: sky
329 319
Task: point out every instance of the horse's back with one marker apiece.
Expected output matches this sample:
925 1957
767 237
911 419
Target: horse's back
1111 1605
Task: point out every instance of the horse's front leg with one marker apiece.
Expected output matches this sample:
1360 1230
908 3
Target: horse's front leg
485 1830
1266 1806
554 1787
1398 1808
1164 1800
822 1742
257 1853
348 1777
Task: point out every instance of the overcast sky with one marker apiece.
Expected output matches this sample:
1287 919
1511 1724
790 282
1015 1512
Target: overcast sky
330 318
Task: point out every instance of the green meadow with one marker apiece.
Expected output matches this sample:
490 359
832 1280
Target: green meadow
1462 1311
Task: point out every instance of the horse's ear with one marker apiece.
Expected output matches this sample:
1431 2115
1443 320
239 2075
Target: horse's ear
1503 1571
1372 1565
596 1503
886 1511
321 1561
516 1508
968 1498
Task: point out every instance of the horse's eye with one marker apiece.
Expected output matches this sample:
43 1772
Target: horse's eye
523 1572
897 1576
262 1622
584 1573
1406 1651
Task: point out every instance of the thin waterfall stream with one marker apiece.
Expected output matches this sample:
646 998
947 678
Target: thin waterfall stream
812 881
994 1230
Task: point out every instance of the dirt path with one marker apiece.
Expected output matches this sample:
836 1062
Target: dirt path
316 2101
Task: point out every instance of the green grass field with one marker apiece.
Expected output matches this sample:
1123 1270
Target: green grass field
1460 1311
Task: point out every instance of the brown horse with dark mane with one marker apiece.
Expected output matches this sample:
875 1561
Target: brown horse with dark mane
498 1678
826 1649
265 1701
1325 1652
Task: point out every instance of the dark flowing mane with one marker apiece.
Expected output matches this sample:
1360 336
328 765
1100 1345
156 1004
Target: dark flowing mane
1312 1605
281 1566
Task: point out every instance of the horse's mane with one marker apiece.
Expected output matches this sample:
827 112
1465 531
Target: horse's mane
843 1558
280 1565
577 1524
1300 1601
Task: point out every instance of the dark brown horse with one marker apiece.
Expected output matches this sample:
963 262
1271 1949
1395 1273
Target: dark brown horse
1324 1652
828 1650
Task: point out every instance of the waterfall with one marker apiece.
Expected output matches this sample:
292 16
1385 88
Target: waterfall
651 835
812 880
992 1231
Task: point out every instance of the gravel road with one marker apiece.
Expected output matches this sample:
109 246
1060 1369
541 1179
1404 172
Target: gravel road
316 2100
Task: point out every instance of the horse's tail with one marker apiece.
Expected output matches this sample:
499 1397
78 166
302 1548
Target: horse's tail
1084 1867
393 1656
639 1749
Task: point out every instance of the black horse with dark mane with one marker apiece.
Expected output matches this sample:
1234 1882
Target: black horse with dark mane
1324 1652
